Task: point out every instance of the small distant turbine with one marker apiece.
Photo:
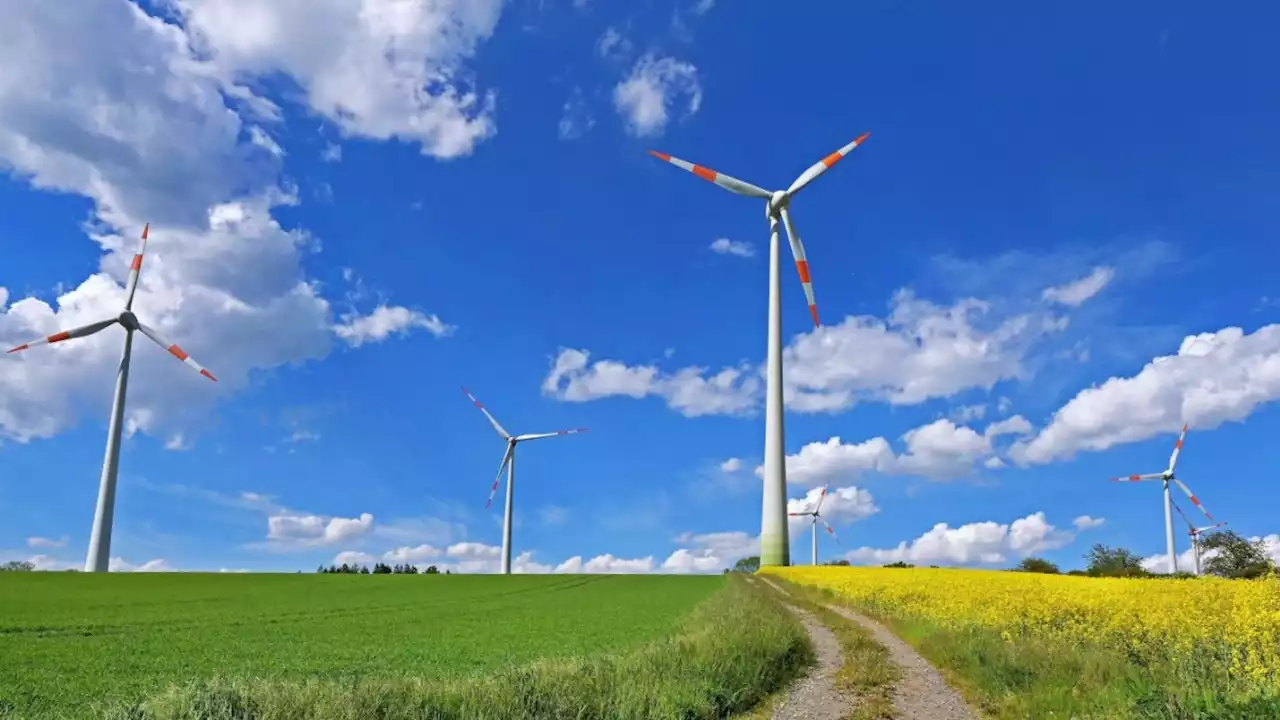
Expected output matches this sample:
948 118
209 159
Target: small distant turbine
1166 477
509 464
816 514
1195 533
98 558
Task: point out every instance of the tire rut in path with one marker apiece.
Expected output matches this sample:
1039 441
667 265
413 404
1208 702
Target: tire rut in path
814 696
921 693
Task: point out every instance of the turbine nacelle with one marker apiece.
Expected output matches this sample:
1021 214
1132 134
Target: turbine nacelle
129 321
777 201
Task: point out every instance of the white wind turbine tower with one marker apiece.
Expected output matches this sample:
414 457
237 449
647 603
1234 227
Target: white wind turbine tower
1166 477
509 464
98 558
816 513
1195 533
774 538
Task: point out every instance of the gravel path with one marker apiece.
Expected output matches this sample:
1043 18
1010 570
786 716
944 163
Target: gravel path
921 694
814 696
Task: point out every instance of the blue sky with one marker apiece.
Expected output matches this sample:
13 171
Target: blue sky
1054 249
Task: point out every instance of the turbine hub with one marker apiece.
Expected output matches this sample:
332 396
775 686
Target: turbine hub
128 320
778 200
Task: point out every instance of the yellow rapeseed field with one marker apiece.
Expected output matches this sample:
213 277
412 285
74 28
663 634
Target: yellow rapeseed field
1180 622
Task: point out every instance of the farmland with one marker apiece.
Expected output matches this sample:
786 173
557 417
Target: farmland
1029 645
69 639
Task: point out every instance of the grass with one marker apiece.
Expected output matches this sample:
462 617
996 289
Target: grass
868 672
1043 678
274 647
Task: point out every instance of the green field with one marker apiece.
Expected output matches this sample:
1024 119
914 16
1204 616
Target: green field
69 639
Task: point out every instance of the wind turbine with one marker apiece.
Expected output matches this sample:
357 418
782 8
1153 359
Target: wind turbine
98 558
509 464
774 538
816 513
1195 533
1166 477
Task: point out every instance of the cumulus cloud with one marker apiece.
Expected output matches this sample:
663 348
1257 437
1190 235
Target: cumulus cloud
710 552
606 564
40 542
411 555
1084 522
117 564
575 118
292 531
656 88
841 506
612 44
573 378
1213 378
938 450
731 465
1075 293
921 352
975 543
356 330
128 110
725 246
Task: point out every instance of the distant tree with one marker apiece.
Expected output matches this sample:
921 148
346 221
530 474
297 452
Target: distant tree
1077 572
1234 556
18 566
364 569
433 570
411 569
899 564
381 568
747 564
1107 561
1037 565
841 562
446 572
935 567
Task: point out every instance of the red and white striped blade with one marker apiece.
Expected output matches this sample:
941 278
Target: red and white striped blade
135 269
825 164
175 351
821 496
1207 528
802 264
728 182
506 458
1177 448
831 531
1194 500
799 514
539 436
1138 478
58 337
492 421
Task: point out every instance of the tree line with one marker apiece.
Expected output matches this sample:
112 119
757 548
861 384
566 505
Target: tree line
379 569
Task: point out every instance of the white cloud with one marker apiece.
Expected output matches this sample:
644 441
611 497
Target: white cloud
384 321
731 465
575 118
114 105
731 391
1084 522
938 450
1214 378
259 137
41 542
921 352
974 543
612 44
411 555
353 557
725 246
116 564
377 69
1074 294
553 515
967 413
702 7
606 564
710 552
331 153
656 87
295 531
841 506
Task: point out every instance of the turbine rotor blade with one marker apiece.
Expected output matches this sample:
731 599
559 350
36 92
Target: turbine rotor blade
822 496
82 331
824 164
802 263
506 458
175 351
1194 500
1177 447
831 531
728 182
492 421
1185 519
135 269
1138 478
539 436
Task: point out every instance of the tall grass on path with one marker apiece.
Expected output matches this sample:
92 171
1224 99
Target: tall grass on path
733 649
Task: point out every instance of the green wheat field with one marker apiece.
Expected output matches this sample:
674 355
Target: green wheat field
283 646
